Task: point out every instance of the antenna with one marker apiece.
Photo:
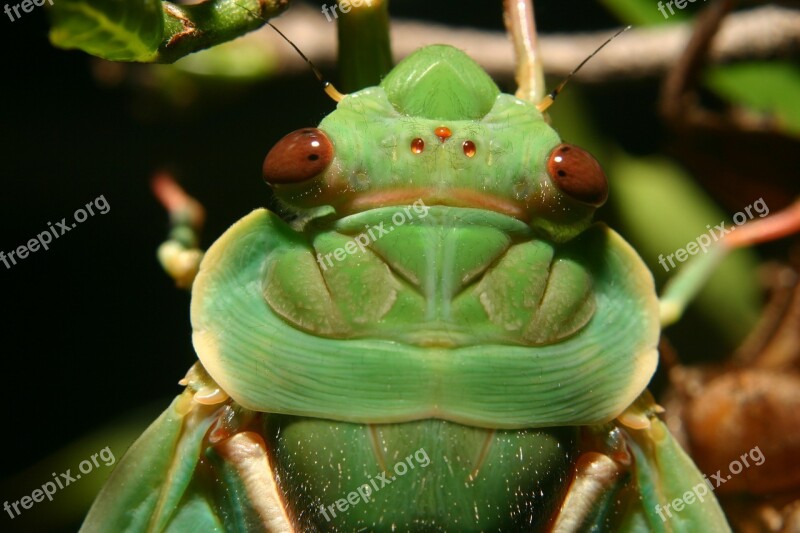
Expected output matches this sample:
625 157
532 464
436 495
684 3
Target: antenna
550 98
327 86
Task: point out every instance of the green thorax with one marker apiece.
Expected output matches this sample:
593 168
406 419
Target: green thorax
433 276
525 333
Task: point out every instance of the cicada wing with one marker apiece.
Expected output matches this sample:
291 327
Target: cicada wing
173 479
151 486
675 496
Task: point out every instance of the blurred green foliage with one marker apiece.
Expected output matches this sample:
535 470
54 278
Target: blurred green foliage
118 31
767 88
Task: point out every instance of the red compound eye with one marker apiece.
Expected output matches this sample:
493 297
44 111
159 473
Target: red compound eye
299 156
576 173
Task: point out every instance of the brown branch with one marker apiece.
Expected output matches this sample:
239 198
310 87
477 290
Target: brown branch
764 32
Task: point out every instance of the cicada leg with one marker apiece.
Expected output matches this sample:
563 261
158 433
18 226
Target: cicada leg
179 254
597 479
634 479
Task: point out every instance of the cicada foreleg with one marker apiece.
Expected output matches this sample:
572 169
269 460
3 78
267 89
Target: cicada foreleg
180 254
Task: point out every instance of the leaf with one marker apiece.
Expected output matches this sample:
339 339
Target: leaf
767 87
118 30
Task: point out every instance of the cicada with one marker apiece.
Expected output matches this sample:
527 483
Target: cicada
441 339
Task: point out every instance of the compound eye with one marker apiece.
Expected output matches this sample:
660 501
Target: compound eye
577 174
299 156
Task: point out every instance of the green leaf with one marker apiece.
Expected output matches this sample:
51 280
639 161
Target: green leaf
129 30
152 31
767 87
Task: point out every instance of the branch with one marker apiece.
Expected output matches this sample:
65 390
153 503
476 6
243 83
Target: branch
190 28
760 33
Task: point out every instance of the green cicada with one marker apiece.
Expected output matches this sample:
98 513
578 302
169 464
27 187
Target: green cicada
441 341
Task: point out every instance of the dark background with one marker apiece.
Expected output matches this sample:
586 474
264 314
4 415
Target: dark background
92 330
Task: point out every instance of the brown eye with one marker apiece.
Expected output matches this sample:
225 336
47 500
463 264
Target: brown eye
577 174
299 156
